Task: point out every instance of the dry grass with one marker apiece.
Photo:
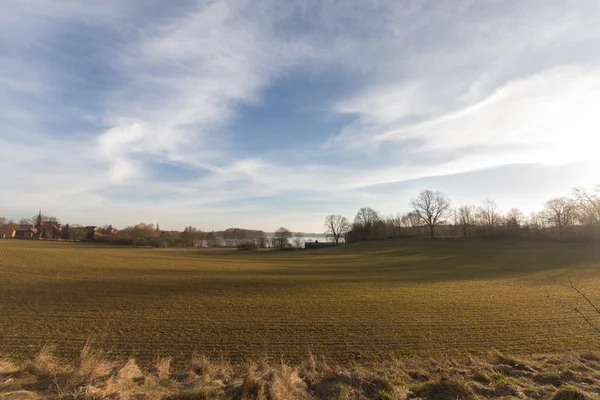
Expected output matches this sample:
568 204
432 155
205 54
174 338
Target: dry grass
93 376
356 304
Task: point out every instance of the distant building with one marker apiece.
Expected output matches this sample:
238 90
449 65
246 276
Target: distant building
91 231
7 232
320 245
47 229
26 231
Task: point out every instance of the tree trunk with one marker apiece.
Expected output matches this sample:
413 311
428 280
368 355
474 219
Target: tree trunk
430 231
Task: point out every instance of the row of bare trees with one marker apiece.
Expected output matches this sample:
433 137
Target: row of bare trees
144 234
575 218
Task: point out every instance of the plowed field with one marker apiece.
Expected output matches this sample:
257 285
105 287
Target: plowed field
354 303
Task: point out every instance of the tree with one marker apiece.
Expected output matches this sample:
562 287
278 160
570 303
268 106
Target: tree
45 218
412 223
298 240
261 240
77 233
589 203
3 221
189 236
212 240
490 217
467 219
364 223
560 213
514 221
433 208
590 316
336 227
66 232
281 237
515 217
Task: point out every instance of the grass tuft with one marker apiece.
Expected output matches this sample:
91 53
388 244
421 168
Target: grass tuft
571 393
445 390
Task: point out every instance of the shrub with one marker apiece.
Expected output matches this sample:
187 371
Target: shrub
247 246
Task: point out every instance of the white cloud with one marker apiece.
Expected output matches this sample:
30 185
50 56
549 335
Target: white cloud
442 90
187 77
548 118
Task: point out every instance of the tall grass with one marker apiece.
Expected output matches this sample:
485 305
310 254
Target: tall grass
93 375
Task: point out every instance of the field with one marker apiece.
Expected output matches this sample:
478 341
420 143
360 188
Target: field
358 303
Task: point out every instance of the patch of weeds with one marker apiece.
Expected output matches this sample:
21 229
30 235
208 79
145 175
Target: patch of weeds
445 390
384 395
482 390
505 389
568 392
482 377
548 379
196 395
418 376
532 392
501 377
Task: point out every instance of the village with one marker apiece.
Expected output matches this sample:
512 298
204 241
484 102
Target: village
41 227
50 228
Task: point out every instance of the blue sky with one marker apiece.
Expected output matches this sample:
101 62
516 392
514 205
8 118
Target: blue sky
263 113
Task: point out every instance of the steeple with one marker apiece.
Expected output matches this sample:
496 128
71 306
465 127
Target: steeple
38 224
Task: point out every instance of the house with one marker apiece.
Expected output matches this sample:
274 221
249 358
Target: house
320 245
47 229
7 232
26 232
91 231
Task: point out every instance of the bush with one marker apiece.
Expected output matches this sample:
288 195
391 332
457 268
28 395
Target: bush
247 246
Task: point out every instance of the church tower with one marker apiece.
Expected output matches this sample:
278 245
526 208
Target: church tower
38 223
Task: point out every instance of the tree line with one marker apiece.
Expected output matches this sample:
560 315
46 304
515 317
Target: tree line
572 218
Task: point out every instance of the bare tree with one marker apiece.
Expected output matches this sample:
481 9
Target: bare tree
394 225
281 237
190 236
560 213
3 221
536 221
433 208
336 227
298 240
490 217
364 222
412 222
515 217
514 222
594 310
467 219
589 204
366 217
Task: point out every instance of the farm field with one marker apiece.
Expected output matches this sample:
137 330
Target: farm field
357 303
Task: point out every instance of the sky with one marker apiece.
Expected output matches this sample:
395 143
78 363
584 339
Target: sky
263 113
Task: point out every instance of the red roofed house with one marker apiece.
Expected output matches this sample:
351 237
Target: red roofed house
47 229
7 232
26 231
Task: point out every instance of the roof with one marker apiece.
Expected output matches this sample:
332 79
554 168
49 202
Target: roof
6 230
53 225
26 230
90 227
316 244
24 227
